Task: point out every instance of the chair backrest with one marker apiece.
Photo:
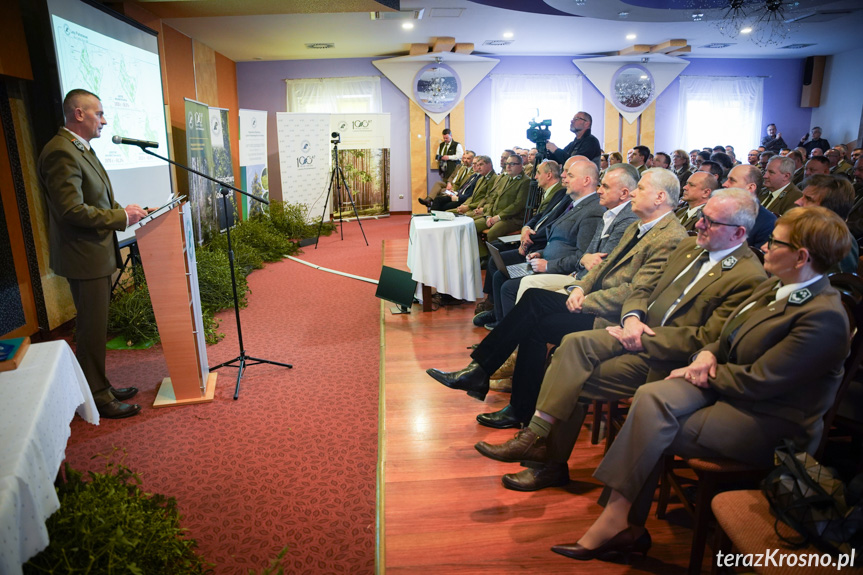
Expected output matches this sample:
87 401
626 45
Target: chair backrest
850 286
758 253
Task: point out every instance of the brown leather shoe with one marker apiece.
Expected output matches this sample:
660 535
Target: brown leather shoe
484 305
117 410
526 447
552 474
124 393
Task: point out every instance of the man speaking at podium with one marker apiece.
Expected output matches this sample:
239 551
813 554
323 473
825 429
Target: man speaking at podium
83 218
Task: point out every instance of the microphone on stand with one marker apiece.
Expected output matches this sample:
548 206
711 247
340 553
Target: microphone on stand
133 142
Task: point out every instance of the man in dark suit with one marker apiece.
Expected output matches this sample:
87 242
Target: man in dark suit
544 316
749 178
83 219
568 235
773 141
706 278
451 199
454 182
780 194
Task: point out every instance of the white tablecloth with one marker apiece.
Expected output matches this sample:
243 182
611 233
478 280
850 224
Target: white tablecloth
37 402
445 255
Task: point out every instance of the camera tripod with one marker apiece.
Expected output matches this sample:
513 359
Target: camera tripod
337 180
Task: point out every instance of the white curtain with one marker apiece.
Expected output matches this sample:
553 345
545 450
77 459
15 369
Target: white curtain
358 94
721 111
517 99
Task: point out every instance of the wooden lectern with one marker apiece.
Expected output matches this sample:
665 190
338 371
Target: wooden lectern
167 248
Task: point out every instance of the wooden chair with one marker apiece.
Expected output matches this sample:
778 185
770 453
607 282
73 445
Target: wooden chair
720 474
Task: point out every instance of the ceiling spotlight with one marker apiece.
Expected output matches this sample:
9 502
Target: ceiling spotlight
630 36
507 34
698 17
622 14
746 30
408 25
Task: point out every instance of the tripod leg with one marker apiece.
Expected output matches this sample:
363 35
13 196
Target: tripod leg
259 360
326 201
241 367
351 198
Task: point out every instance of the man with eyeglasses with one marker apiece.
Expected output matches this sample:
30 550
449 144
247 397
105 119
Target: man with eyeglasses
585 144
506 211
749 178
707 277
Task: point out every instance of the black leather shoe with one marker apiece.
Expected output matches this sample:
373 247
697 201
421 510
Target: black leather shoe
526 448
553 474
483 318
624 543
503 419
117 410
490 326
124 393
472 379
425 201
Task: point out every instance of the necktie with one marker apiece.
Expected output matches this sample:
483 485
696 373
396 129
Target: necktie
732 327
671 296
609 264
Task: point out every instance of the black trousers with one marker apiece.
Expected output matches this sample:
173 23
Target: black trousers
539 318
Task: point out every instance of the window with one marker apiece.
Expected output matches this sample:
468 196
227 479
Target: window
518 99
721 111
359 94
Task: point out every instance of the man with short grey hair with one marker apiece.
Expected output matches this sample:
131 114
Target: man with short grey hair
779 193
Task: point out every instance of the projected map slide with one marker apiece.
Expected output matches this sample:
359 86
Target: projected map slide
128 81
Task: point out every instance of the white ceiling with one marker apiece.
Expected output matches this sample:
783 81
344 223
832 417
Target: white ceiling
356 35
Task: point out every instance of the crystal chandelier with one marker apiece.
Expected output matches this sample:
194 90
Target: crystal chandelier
440 89
765 19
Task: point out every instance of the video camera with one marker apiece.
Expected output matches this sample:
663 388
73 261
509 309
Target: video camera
538 133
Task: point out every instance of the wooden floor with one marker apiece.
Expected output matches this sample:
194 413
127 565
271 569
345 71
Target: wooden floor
444 508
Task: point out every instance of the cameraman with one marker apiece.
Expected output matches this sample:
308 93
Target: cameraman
449 152
584 143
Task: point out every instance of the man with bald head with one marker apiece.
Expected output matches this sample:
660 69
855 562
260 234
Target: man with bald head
749 178
568 237
584 144
695 193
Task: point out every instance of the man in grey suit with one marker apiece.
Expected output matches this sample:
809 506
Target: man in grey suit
83 218
568 236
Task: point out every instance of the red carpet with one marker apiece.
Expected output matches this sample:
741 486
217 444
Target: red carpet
292 462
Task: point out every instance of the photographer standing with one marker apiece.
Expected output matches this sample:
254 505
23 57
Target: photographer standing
584 143
448 155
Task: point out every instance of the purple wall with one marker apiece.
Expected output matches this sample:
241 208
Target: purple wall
261 86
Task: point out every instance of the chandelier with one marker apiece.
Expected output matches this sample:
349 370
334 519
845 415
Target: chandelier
440 88
766 21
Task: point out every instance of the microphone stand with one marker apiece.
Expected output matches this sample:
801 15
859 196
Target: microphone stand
243 360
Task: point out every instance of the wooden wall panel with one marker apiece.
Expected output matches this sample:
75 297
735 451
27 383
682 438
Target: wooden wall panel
435 139
612 128
206 83
629 137
14 54
456 124
419 165
647 137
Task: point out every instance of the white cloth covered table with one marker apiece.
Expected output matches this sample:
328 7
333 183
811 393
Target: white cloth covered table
445 255
37 402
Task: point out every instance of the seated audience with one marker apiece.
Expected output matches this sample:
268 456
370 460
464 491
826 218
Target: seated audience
706 279
752 157
506 213
637 157
712 167
544 316
816 165
763 158
483 188
837 195
742 394
799 167
682 167
455 180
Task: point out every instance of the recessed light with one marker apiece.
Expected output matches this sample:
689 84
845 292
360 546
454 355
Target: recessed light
622 14
631 36
746 30
507 34
408 25
698 16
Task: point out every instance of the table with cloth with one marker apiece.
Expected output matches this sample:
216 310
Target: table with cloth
37 402
445 255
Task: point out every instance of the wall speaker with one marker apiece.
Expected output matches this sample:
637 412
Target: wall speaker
398 287
813 78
